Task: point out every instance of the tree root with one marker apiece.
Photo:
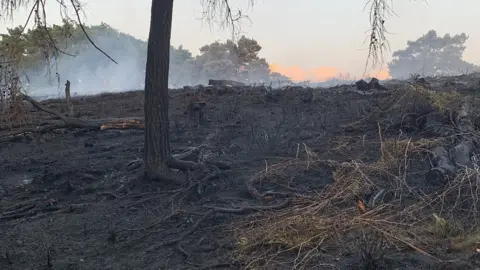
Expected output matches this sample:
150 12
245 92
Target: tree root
183 235
184 166
34 210
210 213
181 250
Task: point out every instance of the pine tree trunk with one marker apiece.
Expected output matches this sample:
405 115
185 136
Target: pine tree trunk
157 136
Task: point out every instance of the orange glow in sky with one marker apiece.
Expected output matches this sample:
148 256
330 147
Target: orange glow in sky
321 74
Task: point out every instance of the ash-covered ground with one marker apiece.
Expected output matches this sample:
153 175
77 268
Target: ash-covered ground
300 178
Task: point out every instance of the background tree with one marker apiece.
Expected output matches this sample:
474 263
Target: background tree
431 55
238 61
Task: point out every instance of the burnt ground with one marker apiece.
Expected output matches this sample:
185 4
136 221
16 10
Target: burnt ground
73 198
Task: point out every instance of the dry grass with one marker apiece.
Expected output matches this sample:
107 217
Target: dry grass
416 96
339 216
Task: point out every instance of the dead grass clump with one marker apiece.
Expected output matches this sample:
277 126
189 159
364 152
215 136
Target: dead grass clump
416 98
455 211
371 249
332 220
447 101
396 152
466 242
286 172
304 233
340 221
407 97
461 196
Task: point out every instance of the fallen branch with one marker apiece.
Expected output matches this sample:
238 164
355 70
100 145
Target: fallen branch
40 130
225 83
71 122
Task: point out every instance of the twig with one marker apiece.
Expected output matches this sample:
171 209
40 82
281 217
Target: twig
217 265
184 253
85 32
245 209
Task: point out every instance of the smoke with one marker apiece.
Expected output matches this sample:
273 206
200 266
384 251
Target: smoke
90 72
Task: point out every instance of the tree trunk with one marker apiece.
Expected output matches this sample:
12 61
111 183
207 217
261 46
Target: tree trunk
157 136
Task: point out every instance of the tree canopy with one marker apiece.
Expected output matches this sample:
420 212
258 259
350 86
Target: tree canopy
431 55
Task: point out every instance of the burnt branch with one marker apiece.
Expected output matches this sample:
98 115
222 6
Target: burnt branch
76 7
378 43
229 17
49 37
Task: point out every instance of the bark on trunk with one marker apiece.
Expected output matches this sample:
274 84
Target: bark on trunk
157 140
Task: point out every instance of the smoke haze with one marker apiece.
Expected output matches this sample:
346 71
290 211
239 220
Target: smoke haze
91 72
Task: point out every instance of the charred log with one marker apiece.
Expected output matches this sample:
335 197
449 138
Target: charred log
443 169
460 156
224 83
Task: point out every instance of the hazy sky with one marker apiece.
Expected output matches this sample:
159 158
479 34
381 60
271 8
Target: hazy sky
304 38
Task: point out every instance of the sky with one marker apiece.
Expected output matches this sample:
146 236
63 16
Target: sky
305 39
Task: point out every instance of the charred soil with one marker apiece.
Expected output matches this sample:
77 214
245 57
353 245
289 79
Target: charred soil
302 179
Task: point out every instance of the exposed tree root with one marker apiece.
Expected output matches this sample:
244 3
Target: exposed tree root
34 209
183 235
242 210
184 166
